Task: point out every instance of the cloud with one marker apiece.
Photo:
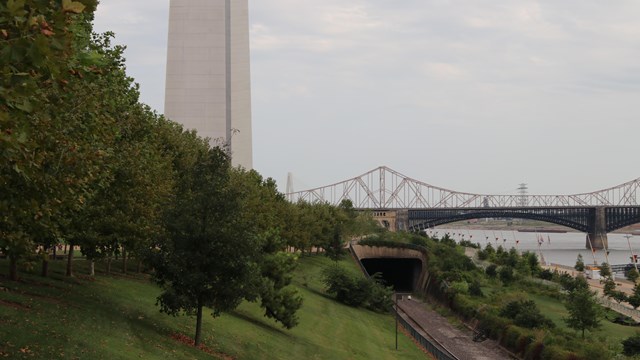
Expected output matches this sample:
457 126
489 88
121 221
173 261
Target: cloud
468 94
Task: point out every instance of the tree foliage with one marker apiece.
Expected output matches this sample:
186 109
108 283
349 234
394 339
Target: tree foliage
584 312
579 263
631 345
525 313
207 259
357 290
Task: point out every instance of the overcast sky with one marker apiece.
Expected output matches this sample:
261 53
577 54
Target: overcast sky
470 95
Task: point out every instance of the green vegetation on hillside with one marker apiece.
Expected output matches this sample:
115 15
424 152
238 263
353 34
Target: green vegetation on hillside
503 295
115 317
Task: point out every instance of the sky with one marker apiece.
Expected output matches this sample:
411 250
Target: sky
470 95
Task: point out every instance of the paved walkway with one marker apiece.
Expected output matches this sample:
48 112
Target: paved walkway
458 342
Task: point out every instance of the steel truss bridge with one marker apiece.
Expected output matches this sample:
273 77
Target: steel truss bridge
418 205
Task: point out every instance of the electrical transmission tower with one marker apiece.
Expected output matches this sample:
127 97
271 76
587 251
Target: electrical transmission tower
523 190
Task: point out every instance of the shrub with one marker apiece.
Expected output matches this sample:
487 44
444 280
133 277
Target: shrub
525 313
475 289
546 274
491 271
631 345
493 324
534 350
464 306
555 352
506 275
357 291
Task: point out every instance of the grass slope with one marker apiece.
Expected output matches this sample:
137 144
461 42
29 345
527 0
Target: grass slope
114 317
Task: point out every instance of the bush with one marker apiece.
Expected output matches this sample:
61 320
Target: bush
506 275
493 324
546 274
475 289
491 271
631 345
464 306
525 313
534 350
511 338
357 291
554 352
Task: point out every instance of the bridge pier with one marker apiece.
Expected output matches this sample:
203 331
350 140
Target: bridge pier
598 240
597 236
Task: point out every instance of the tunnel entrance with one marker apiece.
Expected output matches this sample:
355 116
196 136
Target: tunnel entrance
402 274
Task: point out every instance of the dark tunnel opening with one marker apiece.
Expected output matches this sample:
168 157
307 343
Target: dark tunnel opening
399 273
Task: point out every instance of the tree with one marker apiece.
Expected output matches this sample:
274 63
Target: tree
619 296
40 56
605 270
633 275
634 298
506 275
579 263
208 257
609 287
265 213
584 311
491 271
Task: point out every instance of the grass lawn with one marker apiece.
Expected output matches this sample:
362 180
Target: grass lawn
115 317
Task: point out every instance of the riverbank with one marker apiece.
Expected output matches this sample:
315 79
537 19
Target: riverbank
522 225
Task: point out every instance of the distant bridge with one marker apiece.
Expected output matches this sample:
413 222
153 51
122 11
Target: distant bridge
409 204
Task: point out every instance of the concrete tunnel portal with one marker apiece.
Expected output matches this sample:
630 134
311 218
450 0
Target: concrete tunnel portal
402 268
401 274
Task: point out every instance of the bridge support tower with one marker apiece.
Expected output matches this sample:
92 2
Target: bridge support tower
394 220
597 235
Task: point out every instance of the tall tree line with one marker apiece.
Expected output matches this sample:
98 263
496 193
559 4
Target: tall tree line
83 162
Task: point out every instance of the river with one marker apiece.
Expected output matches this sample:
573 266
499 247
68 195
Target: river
558 248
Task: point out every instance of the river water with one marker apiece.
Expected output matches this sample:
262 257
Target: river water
557 248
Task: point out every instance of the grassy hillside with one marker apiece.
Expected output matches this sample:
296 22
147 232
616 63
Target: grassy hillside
114 317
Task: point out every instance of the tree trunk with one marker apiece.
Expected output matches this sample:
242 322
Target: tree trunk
124 260
55 248
139 269
92 268
198 324
65 249
45 267
70 260
13 268
109 265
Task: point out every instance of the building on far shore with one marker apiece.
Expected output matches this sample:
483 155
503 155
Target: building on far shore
208 84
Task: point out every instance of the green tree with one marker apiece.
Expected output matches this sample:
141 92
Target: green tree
579 263
39 57
265 212
634 298
584 311
605 270
609 287
506 275
633 275
491 271
208 259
